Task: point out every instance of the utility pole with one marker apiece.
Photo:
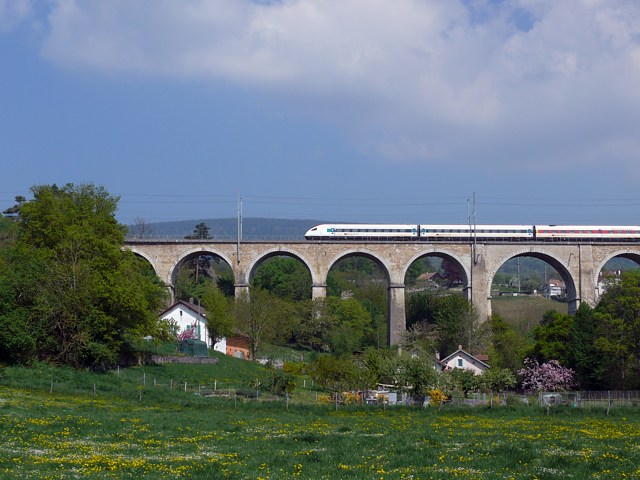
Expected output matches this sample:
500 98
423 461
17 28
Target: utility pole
473 242
239 228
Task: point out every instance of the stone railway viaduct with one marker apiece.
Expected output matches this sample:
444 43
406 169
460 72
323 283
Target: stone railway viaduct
579 264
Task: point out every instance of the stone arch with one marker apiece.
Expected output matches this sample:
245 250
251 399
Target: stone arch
354 252
561 267
193 251
275 252
442 253
633 255
396 321
628 254
146 256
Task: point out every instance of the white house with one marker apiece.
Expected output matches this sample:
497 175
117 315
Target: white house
554 288
188 316
462 359
606 280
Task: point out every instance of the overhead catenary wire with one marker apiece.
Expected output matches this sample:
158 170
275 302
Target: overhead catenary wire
162 207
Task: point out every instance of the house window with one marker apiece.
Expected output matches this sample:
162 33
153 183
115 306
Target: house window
460 362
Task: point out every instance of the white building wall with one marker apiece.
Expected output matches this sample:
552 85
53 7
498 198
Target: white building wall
221 345
184 318
459 361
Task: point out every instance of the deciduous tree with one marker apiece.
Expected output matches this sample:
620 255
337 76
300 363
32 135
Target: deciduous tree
585 357
551 338
546 377
618 315
507 346
284 277
219 312
257 317
88 296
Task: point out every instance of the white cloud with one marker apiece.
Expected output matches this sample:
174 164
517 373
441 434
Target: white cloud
13 13
526 81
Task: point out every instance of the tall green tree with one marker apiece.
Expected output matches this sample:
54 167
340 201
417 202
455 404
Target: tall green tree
219 312
8 231
197 272
21 331
585 358
618 314
551 338
457 324
415 373
450 320
200 232
421 308
88 297
507 346
351 324
285 277
259 317
313 325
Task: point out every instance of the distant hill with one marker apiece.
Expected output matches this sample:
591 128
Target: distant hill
227 228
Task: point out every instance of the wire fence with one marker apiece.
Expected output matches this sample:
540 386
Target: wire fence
141 382
606 399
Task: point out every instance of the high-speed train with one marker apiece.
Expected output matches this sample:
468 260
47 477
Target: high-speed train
466 232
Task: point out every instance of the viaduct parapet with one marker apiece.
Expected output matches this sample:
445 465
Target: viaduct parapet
579 264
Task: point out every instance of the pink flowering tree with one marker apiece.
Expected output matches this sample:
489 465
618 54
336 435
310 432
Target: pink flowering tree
189 333
548 377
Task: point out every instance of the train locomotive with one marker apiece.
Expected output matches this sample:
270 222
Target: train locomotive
422 232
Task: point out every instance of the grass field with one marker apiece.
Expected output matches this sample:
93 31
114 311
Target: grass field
525 312
130 430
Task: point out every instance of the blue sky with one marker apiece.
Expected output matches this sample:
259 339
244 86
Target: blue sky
341 110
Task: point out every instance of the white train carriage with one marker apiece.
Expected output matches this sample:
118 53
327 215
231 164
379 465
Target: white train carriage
482 232
587 232
443 233
362 232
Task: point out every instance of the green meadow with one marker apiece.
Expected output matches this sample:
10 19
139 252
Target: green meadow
59 424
